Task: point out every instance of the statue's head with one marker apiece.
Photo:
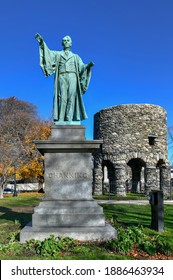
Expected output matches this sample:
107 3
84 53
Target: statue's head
67 42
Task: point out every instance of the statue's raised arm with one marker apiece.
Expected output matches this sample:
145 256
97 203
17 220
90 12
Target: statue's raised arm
39 38
47 57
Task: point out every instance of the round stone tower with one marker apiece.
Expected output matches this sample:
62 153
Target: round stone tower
134 155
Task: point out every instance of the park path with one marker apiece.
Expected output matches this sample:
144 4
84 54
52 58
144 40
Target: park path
137 202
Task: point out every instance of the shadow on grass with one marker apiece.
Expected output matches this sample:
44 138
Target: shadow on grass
129 214
7 214
136 215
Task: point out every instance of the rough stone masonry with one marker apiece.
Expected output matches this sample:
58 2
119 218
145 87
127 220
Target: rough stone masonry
134 153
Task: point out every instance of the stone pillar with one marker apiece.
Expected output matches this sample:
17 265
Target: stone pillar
105 180
165 178
98 181
150 179
120 180
105 175
68 208
98 174
142 179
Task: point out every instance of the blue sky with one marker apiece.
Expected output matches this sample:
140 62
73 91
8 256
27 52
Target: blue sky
130 41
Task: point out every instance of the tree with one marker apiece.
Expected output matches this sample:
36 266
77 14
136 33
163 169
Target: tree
19 125
33 167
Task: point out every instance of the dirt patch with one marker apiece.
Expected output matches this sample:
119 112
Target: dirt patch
141 255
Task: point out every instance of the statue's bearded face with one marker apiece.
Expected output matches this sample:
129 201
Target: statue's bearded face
66 42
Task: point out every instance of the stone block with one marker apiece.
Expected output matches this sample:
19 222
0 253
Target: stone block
68 176
78 233
72 132
68 208
68 220
69 213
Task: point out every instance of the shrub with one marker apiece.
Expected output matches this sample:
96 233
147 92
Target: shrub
11 246
135 236
51 246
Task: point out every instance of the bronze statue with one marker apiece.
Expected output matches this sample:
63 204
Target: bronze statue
72 78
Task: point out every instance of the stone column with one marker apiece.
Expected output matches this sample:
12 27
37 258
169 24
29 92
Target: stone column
150 179
120 179
105 175
105 180
142 179
98 174
165 178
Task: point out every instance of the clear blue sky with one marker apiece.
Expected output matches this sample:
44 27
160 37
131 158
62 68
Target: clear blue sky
130 41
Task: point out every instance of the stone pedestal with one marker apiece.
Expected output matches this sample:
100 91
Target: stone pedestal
68 208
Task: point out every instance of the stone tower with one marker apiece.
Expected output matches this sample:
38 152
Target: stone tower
134 155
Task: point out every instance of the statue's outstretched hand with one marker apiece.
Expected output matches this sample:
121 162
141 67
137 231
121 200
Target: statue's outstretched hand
39 38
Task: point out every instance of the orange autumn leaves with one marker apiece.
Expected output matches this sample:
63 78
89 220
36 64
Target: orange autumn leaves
33 168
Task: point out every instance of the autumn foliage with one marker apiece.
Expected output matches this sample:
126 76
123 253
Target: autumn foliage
33 168
19 127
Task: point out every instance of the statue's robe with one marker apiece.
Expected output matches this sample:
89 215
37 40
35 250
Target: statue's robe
49 62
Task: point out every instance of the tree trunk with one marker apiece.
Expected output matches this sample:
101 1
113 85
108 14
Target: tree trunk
1 191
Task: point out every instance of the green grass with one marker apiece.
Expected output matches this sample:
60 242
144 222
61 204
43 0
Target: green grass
136 215
22 200
16 212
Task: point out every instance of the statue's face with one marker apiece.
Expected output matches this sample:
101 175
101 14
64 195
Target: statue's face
66 42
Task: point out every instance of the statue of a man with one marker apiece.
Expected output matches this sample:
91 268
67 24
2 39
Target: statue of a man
72 78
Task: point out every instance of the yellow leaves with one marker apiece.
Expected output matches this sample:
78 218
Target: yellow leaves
23 154
34 166
31 169
7 170
38 131
11 170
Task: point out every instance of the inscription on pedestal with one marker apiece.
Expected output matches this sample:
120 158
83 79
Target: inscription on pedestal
68 175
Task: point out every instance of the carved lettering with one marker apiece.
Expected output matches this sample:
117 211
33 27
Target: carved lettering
68 175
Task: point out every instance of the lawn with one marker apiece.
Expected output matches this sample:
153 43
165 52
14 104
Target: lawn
132 222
